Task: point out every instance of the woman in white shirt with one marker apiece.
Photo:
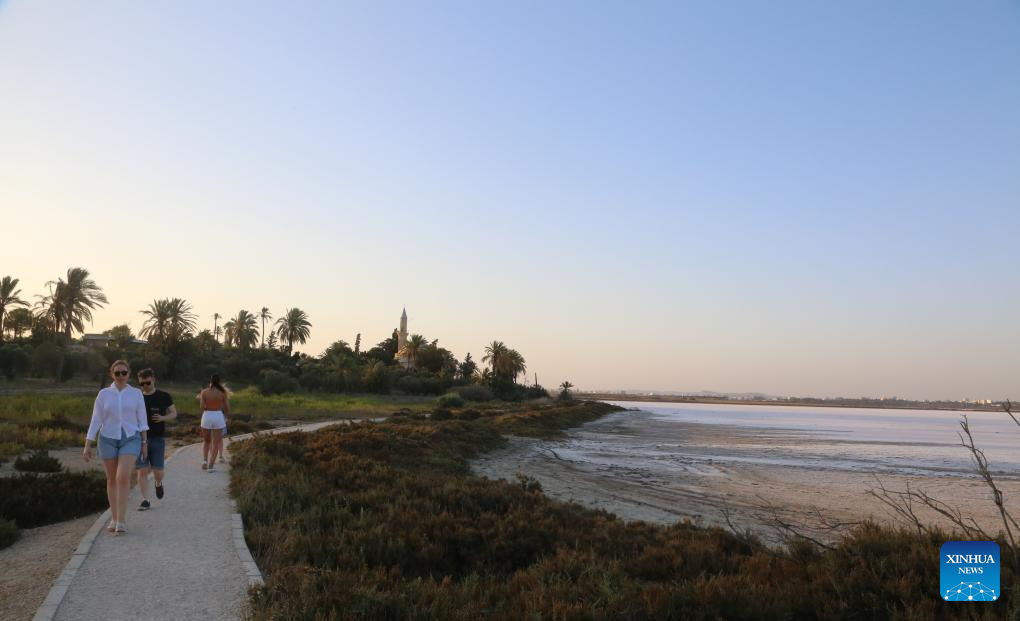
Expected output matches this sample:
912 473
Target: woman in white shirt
118 418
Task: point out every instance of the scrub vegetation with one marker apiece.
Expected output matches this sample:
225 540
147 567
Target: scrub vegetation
386 521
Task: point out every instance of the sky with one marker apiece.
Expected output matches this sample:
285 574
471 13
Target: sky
796 198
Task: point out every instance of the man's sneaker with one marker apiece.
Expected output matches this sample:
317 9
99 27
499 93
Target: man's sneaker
159 491
144 506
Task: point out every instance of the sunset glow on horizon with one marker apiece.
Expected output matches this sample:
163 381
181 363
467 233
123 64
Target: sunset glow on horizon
792 199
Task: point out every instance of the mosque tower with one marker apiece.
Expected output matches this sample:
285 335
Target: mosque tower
402 356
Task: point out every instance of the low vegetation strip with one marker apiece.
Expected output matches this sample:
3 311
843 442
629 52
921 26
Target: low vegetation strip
385 521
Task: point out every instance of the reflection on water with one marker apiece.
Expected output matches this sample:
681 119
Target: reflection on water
665 439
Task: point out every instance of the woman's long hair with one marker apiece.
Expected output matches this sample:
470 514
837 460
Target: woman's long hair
214 382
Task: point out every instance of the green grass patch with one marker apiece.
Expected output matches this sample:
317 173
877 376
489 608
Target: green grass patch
386 521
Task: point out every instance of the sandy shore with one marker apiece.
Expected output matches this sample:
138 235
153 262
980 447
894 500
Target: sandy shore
712 475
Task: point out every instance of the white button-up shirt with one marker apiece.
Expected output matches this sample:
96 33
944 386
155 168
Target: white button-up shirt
116 411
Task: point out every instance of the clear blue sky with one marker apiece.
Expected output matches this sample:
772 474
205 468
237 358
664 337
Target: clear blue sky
788 197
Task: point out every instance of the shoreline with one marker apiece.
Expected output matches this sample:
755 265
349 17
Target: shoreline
705 479
611 398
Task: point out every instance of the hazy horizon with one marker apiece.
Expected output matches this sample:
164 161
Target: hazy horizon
792 198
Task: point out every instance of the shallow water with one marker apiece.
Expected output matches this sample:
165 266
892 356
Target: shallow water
689 438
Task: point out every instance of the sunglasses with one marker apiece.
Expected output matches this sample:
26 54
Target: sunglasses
149 383
120 373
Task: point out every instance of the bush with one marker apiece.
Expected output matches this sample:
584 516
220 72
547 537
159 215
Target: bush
14 361
439 414
32 500
39 461
45 359
8 533
450 400
276 383
420 385
474 392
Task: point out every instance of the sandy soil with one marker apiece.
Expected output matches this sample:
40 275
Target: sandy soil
707 488
29 567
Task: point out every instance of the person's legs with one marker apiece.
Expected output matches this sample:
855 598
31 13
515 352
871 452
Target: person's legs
157 461
143 482
216 440
125 466
205 446
219 444
111 486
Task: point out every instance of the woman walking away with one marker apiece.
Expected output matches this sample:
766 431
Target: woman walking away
118 418
215 407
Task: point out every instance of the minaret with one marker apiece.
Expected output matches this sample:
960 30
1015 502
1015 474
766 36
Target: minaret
402 335
402 356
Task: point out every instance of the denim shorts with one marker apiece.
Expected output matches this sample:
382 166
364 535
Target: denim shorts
157 454
112 449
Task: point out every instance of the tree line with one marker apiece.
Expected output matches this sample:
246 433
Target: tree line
37 340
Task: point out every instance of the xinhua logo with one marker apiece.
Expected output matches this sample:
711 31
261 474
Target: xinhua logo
970 571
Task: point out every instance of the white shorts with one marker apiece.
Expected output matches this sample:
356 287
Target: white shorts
213 419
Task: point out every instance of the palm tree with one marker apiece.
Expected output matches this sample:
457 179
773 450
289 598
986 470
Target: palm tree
78 297
565 391
264 314
241 331
70 304
515 364
413 347
157 327
496 354
169 321
8 298
293 326
215 328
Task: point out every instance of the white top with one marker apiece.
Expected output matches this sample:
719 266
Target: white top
116 411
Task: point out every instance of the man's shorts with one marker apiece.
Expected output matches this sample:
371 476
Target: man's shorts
157 454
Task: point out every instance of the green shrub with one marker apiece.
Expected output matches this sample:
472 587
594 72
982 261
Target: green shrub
14 361
9 533
420 385
450 400
474 392
39 461
36 500
273 382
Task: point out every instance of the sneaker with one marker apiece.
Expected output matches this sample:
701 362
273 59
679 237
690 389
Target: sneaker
120 529
204 465
159 492
211 469
111 526
144 506
222 460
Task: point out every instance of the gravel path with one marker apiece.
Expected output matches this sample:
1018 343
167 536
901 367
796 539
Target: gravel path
177 560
